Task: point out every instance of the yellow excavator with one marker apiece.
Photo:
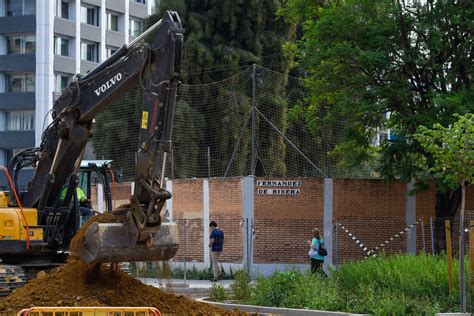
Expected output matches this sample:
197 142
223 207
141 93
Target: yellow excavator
36 230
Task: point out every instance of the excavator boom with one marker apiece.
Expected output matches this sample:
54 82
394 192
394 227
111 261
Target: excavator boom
155 65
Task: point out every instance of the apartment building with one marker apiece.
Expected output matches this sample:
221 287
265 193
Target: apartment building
43 44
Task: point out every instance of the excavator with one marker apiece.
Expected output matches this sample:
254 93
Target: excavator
36 230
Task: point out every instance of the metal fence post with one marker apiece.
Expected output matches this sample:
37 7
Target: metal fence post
251 245
208 162
248 244
449 251
423 235
471 261
185 248
254 103
432 236
336 227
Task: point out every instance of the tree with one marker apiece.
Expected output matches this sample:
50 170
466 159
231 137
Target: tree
223 38
386 65
452 154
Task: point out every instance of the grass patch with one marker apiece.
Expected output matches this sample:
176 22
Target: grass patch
395 285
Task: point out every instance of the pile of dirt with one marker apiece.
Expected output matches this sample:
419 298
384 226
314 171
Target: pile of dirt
79 284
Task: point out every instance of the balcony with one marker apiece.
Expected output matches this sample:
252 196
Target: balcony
18 63
90 32
17 101
139 10
17 139
114 38
65 64
64 27
18 24
117 6
87 66
96 3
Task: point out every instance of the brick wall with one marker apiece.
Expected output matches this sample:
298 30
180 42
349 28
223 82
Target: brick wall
188 204
194 239
372 210
284 222
225 207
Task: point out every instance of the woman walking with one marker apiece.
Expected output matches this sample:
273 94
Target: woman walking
317 252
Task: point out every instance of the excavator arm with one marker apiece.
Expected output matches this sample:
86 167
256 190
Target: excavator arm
155 65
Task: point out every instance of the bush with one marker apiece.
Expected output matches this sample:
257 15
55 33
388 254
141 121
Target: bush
396 285
217 293
241 288
291 289
422 277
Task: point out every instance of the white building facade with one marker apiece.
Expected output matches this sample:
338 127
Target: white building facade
43 44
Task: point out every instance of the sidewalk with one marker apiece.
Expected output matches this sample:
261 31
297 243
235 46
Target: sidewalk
194 288
194 284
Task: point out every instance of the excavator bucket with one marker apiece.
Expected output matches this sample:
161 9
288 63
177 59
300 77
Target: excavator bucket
114 242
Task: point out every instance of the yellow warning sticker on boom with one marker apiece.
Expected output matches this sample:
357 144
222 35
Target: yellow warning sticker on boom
144 119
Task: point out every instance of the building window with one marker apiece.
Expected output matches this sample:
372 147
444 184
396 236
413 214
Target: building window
61 81
20 82
62 9
21 44
90 15
19 120
112 22
141 1
136 27
90 51
111 50
61 46
14 7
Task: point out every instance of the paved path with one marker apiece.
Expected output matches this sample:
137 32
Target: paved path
194 284
194 288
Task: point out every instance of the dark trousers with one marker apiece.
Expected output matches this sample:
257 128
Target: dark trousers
85 211
317 266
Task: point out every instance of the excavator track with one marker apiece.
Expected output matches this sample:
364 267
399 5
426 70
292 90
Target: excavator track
11 277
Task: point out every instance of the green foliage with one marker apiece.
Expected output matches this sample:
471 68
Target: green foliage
196 274
415 276
217 293
287 289
241 287
396 285
193 273
376 65
222 38
451 149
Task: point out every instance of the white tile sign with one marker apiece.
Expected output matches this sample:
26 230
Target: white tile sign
268 187
279 183
278 191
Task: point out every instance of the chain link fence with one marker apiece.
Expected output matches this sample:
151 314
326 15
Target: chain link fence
247 124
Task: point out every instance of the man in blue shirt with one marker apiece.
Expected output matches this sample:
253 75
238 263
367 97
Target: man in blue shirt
216 241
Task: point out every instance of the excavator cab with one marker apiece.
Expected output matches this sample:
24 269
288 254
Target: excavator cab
98 172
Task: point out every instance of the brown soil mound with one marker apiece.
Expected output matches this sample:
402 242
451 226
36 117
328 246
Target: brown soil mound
79 284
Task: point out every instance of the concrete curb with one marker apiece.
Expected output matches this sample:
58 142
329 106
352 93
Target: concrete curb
275 310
